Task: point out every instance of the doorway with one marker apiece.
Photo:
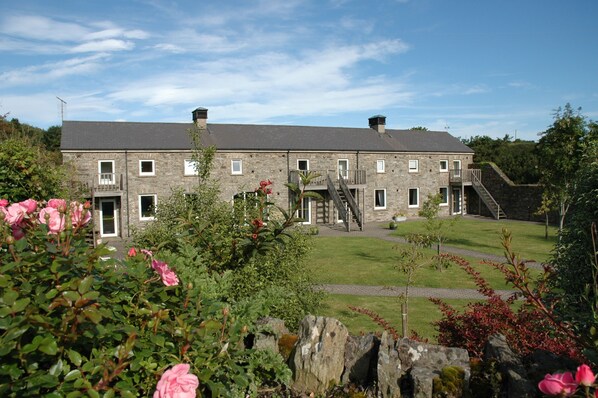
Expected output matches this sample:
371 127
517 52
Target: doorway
108 218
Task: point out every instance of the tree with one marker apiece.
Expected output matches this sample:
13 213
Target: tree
560 155
419 128
436 227
51 138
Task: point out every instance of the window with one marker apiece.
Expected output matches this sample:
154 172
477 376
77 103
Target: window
303 164
106 174
380 199
191 167
146 168
457 168
444 166
413 166
147 206
343 168
380 166
444 196
236 166
413 197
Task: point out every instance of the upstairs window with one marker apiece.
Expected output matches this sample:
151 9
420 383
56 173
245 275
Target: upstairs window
147 168
380 166
444 166
413 166
236 166
303 164
191 167
106 174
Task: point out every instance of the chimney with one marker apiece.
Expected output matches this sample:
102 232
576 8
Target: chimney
200 117
378 123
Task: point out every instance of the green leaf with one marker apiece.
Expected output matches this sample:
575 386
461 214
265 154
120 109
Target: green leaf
93 295
71 295
93 393
74 357
109 394
92 314
10 297
48 346
56 369
85 284
127 394
16 332
51 293
72 375
20 305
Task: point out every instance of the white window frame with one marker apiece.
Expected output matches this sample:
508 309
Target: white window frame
189 167
442 197
304 211
155 204
232 166
412 206
413 169
343 173
380 166
146 173
106 181
384 197
306 162
446 168
457 167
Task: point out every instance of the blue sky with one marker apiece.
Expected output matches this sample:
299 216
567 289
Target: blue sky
469 67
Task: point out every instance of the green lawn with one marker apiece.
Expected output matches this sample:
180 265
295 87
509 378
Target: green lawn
371 261
422 312
484 236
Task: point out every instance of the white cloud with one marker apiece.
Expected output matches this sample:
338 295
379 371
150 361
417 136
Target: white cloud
103 46
41 28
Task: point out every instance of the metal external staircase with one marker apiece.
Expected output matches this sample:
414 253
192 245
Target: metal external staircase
491 204
345 203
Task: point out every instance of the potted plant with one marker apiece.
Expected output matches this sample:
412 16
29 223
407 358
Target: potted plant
399 216
392 225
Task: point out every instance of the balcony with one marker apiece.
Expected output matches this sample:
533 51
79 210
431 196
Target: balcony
353 178
460 176
102 184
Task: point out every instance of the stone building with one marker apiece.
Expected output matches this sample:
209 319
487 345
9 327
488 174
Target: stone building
366 174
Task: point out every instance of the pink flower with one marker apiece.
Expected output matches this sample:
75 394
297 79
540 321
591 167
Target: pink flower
169 278
53 219
3 202
14 214
29 205
585 376
147 253
132 252
558 384
177 383
79 216
58 204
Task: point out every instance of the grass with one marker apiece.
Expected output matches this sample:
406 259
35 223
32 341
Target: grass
371 261
422 313
484 236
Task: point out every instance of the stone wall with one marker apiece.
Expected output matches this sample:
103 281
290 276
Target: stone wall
518 201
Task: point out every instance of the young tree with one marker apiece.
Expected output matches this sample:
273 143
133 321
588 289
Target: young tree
436 227
560 153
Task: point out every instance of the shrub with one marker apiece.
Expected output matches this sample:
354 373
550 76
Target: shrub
75 325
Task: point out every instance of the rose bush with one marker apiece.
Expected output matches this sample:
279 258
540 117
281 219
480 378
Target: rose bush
75 324
565 385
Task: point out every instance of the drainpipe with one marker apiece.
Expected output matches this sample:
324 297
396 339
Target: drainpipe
288 180
127 190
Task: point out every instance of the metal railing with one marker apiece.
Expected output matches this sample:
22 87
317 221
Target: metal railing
351 176
460 175
337 201
351 202
489 201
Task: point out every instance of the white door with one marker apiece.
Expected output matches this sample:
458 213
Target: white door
304 211
343 168
456 201
108 217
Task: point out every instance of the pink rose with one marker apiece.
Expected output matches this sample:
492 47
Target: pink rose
177 383
14 214
79 216
58 204
585 376
558 384
147 253
53 219
169 278
30 205
3 202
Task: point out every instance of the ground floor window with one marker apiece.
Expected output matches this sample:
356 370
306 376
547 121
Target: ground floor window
413 197
147 206
444 198
380 199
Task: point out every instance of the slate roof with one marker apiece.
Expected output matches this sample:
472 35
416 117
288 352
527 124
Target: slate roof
79 135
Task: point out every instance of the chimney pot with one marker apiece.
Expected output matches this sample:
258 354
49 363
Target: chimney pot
378 123
200 117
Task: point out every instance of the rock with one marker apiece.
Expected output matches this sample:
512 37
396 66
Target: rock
510 366
271 331
319 357
361 354
422 380
389 368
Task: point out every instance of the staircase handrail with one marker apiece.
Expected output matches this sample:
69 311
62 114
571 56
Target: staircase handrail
337 200
350 200
476 182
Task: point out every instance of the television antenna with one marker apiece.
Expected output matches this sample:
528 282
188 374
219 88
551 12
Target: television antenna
62 105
